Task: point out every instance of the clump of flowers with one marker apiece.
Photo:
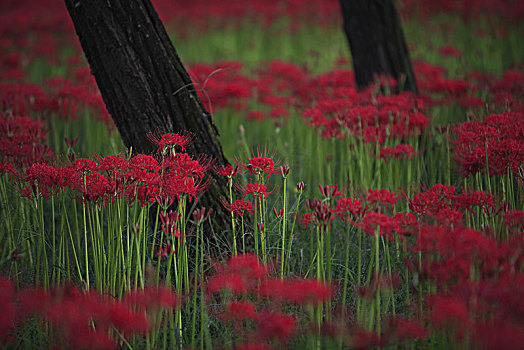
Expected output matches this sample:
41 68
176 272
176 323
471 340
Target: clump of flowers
256 297
83 320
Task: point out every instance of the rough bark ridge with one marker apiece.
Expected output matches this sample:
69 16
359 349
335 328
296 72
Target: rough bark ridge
143 82
377 42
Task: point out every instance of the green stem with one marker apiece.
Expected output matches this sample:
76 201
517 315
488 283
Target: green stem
282 255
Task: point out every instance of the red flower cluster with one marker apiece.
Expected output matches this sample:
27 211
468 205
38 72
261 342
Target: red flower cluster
56 98
141 178
368 119
81 320
478 283
494 145
245 276
238 207
397 152
441 202
371 212
22 143
168 142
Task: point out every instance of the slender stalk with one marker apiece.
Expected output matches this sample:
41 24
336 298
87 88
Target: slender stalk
284 219
290 240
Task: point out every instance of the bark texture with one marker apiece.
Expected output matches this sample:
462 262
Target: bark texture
143 82
377 42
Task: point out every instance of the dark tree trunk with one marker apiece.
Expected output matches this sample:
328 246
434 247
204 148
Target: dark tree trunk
143 82
377 42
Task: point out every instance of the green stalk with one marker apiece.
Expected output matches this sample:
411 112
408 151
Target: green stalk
255 232
390 274
230 183
55 270
346 269
320 269
282 255
64 215
197 260
290 240
43 250
263 228
377 272
327 245
359 268
243 235
155 232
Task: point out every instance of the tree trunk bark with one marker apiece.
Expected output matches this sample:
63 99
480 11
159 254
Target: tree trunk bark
144 84
377 42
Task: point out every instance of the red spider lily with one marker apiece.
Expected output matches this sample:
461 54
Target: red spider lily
84 166
166 251
112 164
275 325
72 313
175 187
167 142
8 319
348 209
397 152
449 51
382 196
238 206
305 220
144 163
466 200
301 186
43 179
229 281
364 339
494 144
199 215
228 170
183 165
8 168
401 329
514 220
71 143
441 203
446 310
257 190
405 223
284 169
23 141
323 215
255 115
387 226
330 191
242 273
454 254
391 116
240 310
110 177
169 223
259 165
433 200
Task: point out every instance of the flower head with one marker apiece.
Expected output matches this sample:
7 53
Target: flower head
167 142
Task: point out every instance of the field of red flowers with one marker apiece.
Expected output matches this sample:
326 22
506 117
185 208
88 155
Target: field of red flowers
367 218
